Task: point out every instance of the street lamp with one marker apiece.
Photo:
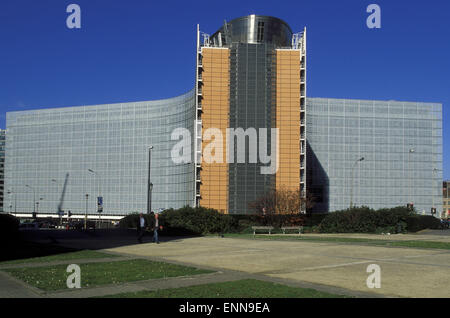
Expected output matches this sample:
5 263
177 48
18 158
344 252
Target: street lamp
98 182
353 173
432 194
149 184
96 174
85 215
37 205
151 189
411 150
10 204
34 199
10 192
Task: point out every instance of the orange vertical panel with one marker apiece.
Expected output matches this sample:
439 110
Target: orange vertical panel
288 118
216 106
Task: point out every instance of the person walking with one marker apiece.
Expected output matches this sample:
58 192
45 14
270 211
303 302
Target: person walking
141 226
156 227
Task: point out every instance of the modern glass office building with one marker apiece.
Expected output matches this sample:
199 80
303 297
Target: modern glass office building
249 74
2 169
112 140
401 143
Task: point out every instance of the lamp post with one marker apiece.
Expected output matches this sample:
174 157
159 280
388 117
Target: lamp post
10 204
432 194
34 199
411 150
96 174
37 205
10 192
353 173
85 215
149 184
150 204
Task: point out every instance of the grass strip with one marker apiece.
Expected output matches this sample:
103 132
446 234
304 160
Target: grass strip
362 241
51 278
87 254
248 288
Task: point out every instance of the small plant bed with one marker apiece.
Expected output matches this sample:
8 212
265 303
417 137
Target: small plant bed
51 278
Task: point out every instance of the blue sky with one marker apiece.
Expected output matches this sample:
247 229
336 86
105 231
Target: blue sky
141 50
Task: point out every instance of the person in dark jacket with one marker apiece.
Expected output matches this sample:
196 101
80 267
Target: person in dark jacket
141 227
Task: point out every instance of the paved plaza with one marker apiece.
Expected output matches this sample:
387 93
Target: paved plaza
405 272
328 266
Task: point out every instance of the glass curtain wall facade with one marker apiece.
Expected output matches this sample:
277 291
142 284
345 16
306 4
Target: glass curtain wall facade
252 77
401 143
3 191
112 140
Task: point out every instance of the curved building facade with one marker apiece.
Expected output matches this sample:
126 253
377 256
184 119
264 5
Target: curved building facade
112 141
254 29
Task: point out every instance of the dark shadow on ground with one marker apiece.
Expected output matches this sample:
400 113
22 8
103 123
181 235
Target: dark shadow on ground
44 242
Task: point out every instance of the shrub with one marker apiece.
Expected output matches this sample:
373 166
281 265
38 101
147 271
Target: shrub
366 220
187 221
131 220
415 223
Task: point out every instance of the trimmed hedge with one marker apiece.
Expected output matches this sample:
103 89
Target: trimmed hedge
131 220
200 221
186 221
366 220
196 221
417 223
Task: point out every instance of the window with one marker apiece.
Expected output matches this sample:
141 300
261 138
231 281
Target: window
260 34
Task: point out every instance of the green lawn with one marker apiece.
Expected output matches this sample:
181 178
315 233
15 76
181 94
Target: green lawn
54 277
412 243
61 257
421 244
248 288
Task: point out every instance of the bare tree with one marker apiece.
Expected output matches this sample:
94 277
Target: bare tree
281 201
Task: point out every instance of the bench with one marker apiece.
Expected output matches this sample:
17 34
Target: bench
297 228
262 228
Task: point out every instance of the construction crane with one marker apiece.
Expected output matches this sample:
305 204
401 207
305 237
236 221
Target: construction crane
61 200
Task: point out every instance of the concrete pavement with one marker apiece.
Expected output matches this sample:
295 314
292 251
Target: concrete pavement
14 288
405 272
333 267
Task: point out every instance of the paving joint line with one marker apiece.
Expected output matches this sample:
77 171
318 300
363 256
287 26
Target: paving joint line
63 262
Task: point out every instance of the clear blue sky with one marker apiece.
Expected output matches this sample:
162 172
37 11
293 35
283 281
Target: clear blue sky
142 50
